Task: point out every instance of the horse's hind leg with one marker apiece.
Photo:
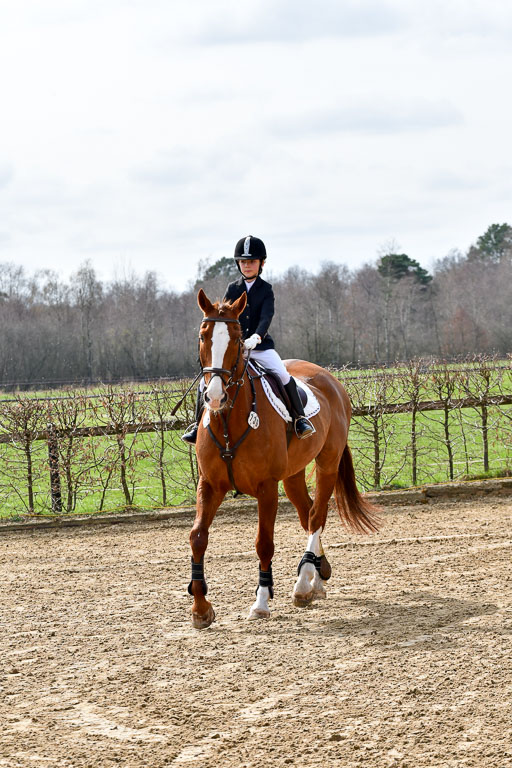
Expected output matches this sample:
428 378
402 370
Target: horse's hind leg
208 501
314 568
313 571
267 511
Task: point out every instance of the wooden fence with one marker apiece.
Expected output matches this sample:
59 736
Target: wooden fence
119 448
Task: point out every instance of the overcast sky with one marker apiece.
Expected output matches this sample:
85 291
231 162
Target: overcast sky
150 134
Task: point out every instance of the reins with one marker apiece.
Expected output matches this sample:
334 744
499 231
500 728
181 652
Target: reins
174 410
202 370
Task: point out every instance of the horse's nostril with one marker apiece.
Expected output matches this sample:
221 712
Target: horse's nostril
206 398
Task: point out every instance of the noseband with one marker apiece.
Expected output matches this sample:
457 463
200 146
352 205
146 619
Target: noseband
220 372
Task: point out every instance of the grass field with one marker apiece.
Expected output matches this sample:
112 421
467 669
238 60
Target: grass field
148 470
466 441
94 483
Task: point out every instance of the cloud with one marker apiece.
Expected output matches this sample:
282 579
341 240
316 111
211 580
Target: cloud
298 21
448 181
182 167
330 125
6 175
366 118
485 19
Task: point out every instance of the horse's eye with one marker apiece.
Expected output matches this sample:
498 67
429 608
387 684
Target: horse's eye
201 337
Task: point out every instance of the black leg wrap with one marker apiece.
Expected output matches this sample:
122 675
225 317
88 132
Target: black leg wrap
266 580
309 557
320 562
198 575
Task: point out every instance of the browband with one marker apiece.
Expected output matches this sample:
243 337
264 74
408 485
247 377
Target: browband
220 320
216 370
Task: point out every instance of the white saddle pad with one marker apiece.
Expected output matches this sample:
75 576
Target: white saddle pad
311 408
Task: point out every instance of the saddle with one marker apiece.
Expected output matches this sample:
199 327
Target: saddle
276 385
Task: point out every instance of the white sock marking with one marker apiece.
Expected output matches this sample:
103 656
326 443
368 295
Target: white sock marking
260 605
314 545
307 576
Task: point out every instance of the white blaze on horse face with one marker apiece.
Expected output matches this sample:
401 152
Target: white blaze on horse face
220 341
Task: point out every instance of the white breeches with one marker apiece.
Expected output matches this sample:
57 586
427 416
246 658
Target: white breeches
271 360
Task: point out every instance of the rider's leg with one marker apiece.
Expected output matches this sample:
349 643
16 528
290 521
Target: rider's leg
271 360
303 427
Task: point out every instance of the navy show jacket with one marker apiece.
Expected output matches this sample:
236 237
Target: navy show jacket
258 313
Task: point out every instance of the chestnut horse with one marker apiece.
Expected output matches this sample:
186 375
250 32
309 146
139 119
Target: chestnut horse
252 453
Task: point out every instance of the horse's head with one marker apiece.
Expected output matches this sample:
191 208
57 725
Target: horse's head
220 347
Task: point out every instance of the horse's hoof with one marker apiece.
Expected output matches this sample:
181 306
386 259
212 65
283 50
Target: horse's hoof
301 601
201 622
258 613
319 594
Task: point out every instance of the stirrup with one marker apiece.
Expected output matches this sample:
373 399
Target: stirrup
303 428
190 436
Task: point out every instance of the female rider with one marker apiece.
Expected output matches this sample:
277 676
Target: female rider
250 256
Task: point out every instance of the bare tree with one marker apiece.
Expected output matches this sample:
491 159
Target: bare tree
87 292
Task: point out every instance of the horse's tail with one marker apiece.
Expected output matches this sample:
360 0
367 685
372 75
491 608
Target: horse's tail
356 513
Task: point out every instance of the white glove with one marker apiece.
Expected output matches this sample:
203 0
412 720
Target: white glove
252 341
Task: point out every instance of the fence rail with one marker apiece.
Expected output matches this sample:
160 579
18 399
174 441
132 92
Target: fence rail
118 447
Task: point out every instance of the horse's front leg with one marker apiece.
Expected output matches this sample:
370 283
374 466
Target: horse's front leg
267 511
208 501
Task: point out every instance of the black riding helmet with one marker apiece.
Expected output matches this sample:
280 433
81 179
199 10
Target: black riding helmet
250 248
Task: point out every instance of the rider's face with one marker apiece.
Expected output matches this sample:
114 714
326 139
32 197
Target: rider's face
249 268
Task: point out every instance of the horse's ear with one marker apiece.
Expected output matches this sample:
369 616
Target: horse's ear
239 305
204 302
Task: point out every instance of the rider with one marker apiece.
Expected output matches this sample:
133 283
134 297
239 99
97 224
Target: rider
250 255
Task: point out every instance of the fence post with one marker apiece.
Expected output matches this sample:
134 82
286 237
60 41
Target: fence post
53 457
447 438
414 445
376 450
485 437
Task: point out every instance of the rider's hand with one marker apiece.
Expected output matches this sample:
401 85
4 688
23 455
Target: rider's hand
252 341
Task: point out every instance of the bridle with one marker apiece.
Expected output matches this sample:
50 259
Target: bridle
221 372
227 452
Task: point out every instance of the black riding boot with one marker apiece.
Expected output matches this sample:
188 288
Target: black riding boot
303 427
190 435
